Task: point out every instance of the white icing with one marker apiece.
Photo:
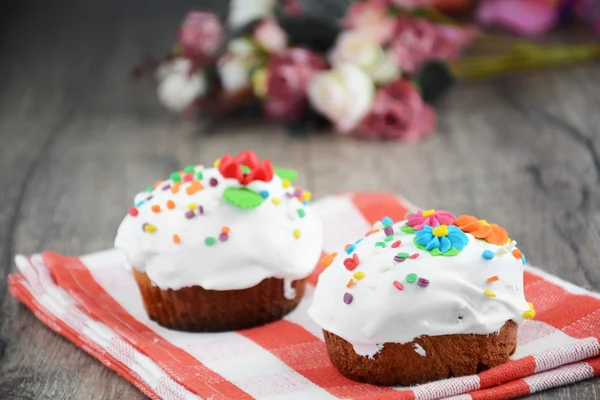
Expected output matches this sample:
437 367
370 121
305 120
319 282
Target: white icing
453 303
420 350
260 245
288 291
368 350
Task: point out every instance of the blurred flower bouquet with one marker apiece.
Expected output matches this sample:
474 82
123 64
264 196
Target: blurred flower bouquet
371 69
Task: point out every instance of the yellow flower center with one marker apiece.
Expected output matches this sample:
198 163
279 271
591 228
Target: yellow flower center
440 231
428 213
484 222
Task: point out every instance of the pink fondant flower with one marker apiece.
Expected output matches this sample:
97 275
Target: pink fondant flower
398 112
372 19
431 218
200 34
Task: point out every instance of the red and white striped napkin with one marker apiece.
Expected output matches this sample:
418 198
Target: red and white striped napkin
94 302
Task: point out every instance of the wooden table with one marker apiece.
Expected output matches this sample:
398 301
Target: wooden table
78 138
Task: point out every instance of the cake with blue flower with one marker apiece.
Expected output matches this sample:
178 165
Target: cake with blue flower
431 297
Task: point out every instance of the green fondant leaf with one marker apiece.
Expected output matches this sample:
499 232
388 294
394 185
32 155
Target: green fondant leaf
437 252
242 197
284 173
407 229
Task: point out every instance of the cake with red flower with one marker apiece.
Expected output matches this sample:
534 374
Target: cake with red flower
221 248
427 298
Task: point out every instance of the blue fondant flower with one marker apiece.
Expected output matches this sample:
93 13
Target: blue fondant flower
441 240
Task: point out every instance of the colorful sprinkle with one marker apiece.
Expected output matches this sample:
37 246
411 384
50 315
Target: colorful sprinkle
388 230
301 213
157 184
225 230
517 254
189 214
396 244
493 279
398 285
529 314
488 254
307 195
326 260
188 177
358 241
358 275
388 239
149 228
199 175
192 206
402 255
377 226
189 169
195 187
133 212
523 259
372 232
351 283
489 293
264 194
413 256
149 188
350 248
411 278
176 239
386 221
213 182
286 183
149 197
398 259
348 298
175 188
297 233
170 204
223 237
155 208
210 241
217 163
423 282
175 177
380 244
350 264
201 210
276 201
139 203
166 187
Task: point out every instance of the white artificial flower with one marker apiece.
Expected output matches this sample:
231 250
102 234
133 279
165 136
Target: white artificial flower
241 47
234 73
344 95
243 11
177 87
361 50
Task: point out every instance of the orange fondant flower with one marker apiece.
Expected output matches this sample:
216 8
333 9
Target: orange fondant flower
481 229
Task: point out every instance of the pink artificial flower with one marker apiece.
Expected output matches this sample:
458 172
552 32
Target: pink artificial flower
398 112
524 17
411 4
431 218
200 34
371 18
289 72
270 36
418 40
589 10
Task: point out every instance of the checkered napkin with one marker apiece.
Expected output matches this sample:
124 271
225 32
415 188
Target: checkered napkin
94 302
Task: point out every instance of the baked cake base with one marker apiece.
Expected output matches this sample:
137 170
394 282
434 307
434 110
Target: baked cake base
444 357
195 309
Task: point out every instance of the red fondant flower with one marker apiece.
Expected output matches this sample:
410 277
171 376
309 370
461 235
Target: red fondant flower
231 167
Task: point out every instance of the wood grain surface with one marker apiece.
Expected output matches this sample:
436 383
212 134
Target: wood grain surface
78 138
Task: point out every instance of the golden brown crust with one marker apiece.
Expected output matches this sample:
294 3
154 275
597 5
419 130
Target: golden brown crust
446 356
195 309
